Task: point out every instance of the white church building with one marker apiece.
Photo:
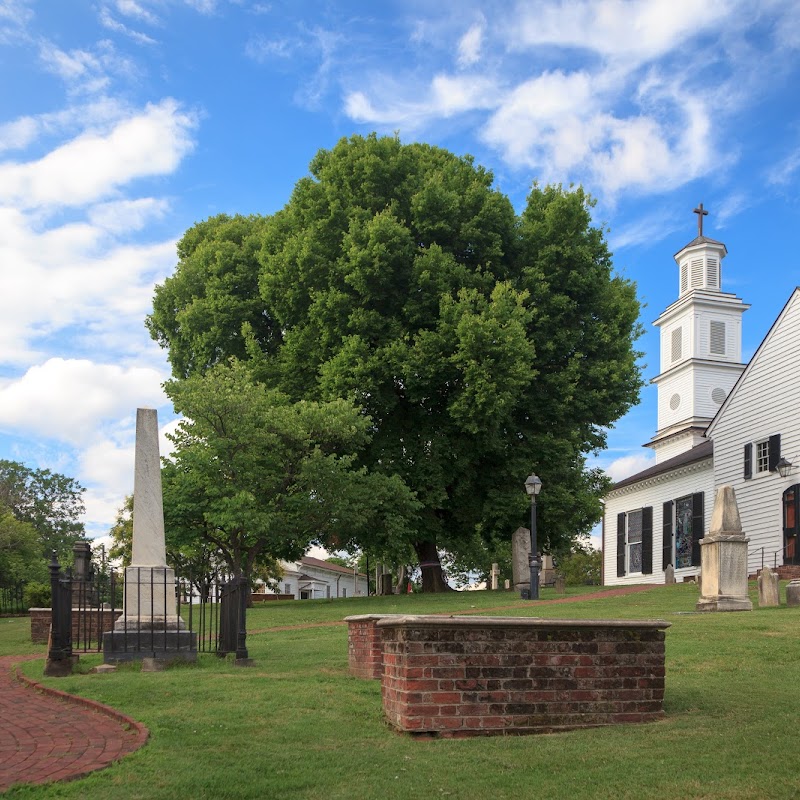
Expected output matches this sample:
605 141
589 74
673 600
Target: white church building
720 422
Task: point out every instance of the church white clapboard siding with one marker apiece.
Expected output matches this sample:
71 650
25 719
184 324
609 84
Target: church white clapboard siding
720 422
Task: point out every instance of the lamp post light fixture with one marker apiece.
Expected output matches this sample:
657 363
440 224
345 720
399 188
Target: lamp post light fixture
784 466
533 485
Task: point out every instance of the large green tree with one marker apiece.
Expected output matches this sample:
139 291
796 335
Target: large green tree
258 477
483 344
50 502
20 553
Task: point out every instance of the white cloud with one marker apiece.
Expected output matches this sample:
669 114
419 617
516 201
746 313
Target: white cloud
261 49
783 173
130 8
95 164
615 28
127 215
69 399
17 134
108 21
626 466
445 97
75 276
469 46
14 17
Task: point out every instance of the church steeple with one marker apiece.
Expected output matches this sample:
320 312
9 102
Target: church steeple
701 349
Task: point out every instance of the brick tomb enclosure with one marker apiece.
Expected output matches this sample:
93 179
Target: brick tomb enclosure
87 626
469 676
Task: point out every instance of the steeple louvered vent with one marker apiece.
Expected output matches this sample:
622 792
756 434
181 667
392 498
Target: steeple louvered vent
717 338
712 271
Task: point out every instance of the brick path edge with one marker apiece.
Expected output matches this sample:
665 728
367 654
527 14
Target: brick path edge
142 733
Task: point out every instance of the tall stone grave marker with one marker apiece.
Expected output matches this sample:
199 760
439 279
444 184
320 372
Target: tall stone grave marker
149 626
495 576
768 591
520 555
723 558
669 575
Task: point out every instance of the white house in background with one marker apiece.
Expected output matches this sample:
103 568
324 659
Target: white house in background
720 422
315 579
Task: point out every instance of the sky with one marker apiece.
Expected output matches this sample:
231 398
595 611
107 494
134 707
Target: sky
124 122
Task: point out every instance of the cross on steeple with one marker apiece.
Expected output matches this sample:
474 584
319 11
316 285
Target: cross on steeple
701 212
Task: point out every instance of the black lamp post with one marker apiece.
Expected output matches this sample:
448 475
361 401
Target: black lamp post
533 485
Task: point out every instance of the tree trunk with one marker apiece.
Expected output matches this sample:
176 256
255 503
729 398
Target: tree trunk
432 575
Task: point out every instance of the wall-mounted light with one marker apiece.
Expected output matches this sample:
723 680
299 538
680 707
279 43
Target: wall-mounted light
784 467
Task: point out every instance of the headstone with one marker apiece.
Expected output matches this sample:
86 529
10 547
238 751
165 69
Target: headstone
508 584
793 593
560 584
723 558
768 592
495 576
386 583
149 626
548 573
669 575
520 555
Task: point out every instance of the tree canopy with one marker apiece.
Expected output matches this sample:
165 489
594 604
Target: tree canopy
483 344
258 477
50 502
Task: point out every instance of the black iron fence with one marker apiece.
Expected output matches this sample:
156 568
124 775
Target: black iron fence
155 614
11 598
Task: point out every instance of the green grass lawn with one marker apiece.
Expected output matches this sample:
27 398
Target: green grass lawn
298 726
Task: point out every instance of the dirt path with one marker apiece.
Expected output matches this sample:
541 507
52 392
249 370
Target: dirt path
618 592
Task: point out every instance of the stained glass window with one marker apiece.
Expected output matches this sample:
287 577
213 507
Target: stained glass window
635 541
683 532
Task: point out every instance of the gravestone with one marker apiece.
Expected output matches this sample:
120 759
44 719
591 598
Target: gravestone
793 593
723 558
149 626
548 575
495 576
386 583
520 555
768 592
508 584
560 584
669 575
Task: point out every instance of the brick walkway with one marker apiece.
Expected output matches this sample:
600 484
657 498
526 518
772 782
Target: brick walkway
48 735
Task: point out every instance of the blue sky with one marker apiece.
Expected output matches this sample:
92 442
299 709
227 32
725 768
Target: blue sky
123 122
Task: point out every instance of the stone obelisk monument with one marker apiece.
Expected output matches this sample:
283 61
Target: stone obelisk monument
149 626
723 558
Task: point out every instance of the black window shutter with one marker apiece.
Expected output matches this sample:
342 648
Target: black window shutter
748 461
697 527
620 545
774 451
647 540
666 536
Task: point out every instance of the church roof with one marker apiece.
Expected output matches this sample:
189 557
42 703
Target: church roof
697 453
700 240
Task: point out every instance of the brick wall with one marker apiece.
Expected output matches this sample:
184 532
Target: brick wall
466 676
365 645
87 627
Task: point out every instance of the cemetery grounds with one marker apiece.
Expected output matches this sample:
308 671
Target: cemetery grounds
297 725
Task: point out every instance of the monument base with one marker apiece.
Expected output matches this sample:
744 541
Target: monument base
724 604
163 645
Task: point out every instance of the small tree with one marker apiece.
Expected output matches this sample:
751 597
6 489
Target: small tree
255 476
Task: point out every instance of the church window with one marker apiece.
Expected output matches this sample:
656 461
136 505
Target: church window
682 526
762 456
683 533
718 395
675 401
635 542
717 338
677 344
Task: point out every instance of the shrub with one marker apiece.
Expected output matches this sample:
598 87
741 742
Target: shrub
36 595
